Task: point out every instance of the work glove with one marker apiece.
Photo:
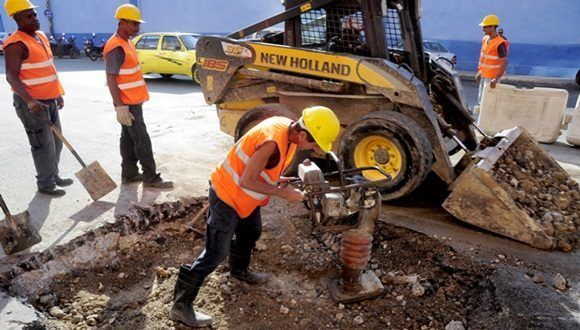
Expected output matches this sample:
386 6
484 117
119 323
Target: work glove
124 116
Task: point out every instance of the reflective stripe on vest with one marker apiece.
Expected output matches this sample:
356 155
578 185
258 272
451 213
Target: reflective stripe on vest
226 178
38 81
130 78
489 60
245 159
130 70
132 84
236 179
28 66
37 72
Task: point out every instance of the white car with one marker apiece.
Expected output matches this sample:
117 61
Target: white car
439 53
3 37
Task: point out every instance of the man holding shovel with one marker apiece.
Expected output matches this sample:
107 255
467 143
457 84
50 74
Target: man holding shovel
31 73
129 91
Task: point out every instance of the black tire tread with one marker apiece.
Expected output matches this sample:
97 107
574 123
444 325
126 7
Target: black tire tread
377 120
260 113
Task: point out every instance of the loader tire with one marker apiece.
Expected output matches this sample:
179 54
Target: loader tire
393 142
253 117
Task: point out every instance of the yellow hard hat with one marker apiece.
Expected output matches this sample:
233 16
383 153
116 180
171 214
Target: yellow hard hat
322 124
490 20
129 12
15 6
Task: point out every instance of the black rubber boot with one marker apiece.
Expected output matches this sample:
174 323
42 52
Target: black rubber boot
186 289
239 265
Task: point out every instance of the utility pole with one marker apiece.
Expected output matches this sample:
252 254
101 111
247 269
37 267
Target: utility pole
1 24
49 14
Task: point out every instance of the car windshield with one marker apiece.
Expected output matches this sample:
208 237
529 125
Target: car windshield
432 46
189 40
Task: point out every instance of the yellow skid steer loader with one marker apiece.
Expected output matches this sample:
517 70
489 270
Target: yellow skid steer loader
400 110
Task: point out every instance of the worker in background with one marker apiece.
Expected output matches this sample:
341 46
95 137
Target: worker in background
239 186
129 92
31 73
493 57
507 43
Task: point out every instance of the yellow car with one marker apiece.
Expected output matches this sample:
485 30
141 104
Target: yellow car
168 53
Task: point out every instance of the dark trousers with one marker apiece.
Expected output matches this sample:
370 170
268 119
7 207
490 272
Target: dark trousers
223 222
136 147
44 145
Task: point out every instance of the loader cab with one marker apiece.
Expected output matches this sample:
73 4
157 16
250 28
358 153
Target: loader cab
386 29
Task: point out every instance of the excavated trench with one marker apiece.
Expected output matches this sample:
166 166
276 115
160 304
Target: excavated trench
121 275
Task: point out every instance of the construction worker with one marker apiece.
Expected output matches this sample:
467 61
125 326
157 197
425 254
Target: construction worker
239 186
129 91
493 57
507 42
31 73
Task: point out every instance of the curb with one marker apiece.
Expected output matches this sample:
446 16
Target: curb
543 81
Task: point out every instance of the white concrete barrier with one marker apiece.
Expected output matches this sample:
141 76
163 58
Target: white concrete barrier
573 135
539 110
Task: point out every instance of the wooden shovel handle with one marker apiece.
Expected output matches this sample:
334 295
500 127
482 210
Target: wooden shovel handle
61 137
4 207
199 214
9 217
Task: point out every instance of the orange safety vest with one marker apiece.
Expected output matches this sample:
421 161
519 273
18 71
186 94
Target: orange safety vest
489 61
130 78
37 72
225 179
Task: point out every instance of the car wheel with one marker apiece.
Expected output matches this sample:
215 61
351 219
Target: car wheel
166 76
195 75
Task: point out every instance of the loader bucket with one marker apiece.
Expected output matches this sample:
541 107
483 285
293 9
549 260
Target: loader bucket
516 189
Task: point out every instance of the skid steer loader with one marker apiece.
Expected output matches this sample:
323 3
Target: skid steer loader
399 109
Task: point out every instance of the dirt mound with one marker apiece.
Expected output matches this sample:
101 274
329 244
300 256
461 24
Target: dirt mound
546 193
427 284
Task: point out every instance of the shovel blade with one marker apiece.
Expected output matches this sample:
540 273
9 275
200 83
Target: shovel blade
96 181
20 236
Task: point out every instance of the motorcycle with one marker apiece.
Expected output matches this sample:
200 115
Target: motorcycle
98 51
91 50
53 44
88 45
67 47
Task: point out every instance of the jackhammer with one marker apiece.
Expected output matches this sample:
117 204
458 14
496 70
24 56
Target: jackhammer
352 209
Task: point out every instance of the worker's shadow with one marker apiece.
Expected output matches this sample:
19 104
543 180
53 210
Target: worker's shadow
128 198
39 208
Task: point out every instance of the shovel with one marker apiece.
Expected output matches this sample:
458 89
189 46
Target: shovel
93 177
16 231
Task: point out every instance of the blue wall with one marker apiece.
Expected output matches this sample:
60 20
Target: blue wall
544 34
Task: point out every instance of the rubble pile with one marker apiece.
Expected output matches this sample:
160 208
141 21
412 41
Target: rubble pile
427 284
546 193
